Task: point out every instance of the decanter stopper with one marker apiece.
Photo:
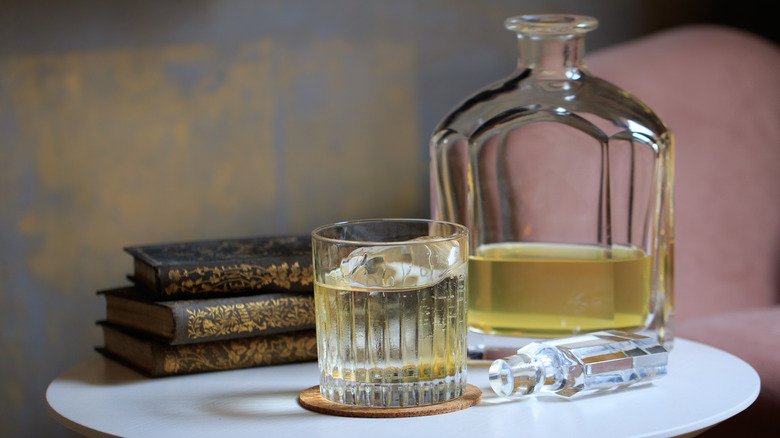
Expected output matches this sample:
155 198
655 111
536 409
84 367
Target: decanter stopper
570 366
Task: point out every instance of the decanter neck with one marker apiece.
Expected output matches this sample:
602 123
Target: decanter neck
552 46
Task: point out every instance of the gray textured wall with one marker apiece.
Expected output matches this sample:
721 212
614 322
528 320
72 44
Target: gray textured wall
129 122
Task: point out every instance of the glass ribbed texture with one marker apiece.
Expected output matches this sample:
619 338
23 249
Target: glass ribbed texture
391 320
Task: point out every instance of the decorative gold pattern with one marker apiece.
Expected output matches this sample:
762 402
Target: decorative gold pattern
252 317
237 277
241 353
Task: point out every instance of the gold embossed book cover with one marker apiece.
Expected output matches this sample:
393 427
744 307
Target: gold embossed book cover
224 266
177 322
156 359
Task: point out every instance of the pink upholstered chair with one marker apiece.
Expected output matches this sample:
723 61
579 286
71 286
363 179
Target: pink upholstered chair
718 89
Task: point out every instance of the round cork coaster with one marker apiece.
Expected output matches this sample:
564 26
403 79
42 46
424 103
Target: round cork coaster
312 400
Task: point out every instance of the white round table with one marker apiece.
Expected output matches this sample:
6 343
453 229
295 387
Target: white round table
704 386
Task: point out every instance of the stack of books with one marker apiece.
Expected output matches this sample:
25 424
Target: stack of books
213 305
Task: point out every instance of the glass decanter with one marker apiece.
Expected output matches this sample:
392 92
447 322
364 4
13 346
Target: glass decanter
566 183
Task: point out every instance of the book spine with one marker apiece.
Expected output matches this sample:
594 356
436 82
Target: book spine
234 354
146 275
272 274
210 320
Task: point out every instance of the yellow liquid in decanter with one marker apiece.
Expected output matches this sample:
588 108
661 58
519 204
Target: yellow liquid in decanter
551 290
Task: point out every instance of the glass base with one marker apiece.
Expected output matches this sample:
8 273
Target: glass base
488 347
392 395
484 347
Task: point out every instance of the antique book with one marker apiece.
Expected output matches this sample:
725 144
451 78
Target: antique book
177 322
223 267
156 359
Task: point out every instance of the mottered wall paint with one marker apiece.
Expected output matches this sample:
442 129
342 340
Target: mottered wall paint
128 145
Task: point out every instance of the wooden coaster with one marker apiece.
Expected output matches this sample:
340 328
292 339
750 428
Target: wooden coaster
312 400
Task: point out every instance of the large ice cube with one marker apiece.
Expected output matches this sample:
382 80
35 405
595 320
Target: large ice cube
422 263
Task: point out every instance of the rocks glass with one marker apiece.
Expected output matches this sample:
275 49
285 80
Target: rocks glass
391 311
